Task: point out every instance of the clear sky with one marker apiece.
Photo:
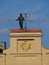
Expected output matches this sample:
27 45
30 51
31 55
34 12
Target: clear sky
39 10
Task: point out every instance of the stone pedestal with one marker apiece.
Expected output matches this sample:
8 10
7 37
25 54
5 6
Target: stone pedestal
25 48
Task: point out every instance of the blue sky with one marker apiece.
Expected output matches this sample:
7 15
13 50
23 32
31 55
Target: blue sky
39 10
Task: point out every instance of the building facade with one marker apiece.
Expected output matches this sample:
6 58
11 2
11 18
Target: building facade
3 45
25 49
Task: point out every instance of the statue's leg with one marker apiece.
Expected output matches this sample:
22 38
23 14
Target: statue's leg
21 24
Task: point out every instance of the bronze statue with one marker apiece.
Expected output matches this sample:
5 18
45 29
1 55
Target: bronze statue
20 19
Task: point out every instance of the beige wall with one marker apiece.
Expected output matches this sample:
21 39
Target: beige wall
21 54
35 44
23 60
2 59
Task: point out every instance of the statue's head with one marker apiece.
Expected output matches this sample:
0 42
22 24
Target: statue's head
20 14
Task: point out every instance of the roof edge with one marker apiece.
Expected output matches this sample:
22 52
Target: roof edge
27 30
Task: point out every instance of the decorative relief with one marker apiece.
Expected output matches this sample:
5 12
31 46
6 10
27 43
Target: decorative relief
25 45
